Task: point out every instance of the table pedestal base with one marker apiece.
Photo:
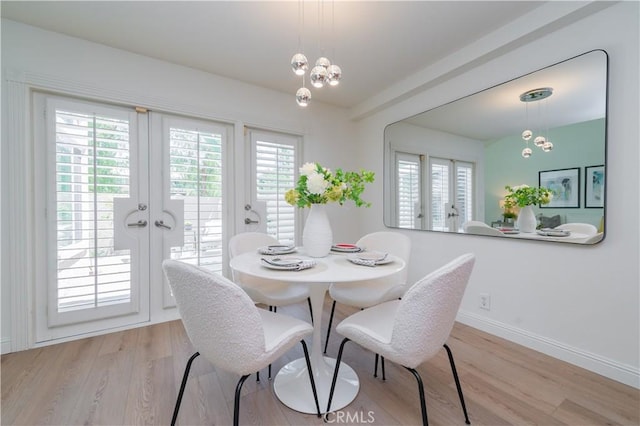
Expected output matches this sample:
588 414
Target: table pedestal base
293 389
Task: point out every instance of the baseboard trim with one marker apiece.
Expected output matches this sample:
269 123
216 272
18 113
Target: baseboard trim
606 367
5 346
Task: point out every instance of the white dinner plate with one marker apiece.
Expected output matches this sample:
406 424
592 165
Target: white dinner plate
553 232
378 257
277 249
509 231
346 248
287 263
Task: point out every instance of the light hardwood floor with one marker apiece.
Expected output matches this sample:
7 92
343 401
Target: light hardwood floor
132 378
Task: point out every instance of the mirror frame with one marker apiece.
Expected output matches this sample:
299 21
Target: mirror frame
389 168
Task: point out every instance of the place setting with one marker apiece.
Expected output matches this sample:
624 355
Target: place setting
370 258
277 249
287 263
551 232
346 248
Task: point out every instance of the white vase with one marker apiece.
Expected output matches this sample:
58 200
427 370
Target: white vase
316 236
527 220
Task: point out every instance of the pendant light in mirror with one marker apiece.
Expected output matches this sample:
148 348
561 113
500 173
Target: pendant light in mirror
539 141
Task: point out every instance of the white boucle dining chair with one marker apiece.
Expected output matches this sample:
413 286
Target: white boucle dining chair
412 330
267 292
581 228
480 228
226 327
363 294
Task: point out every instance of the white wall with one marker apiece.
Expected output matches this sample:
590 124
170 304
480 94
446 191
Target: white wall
51 61
576 303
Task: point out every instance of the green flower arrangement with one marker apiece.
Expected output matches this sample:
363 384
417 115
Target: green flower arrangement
318 185
525 195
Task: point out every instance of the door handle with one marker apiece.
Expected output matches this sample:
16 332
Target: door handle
161 224
248 221
139 224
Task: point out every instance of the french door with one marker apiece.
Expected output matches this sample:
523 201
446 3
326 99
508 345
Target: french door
275 158
122 189
451 194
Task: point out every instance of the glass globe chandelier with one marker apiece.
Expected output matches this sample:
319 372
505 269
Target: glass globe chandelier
539 141
323 72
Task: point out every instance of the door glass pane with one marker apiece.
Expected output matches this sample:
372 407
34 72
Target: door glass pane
92 168
195 163
439 195
464 192
408 192
275 174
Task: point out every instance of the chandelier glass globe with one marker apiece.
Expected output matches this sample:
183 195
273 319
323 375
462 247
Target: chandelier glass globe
334 74
548 146
318 76
299 64
303 96
526 135
323 62
539 141
526 153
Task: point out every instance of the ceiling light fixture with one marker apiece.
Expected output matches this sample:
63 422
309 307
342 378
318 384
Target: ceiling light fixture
323 72
540 141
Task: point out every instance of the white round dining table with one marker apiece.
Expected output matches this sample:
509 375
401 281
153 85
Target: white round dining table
291 383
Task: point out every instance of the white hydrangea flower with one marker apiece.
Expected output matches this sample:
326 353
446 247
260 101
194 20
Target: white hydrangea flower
308 169
316 183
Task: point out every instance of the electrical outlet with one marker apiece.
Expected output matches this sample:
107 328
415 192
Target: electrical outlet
485 301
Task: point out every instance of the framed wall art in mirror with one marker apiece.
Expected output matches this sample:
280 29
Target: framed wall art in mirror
450 165
594 187
565 185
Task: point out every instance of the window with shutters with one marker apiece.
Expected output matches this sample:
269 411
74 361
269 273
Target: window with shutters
408 191
195 167
451 193
275 167
91 169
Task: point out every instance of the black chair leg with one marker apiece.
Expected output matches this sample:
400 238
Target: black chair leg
455 377
185 376
335 373
236 403
269 372
333 308
311 378
375 372
423 403
375 366
257 376
384 377
310 309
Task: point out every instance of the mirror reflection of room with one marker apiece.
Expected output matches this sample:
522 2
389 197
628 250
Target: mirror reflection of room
449 169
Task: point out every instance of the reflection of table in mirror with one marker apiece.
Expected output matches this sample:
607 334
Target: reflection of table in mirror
291 384
575 237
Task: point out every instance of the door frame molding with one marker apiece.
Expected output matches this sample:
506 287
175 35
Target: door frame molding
19 263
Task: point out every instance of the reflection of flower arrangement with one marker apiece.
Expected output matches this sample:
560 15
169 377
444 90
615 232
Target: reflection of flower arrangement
317 185
524 195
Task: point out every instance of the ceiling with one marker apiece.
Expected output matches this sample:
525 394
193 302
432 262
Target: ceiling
579 94
377 44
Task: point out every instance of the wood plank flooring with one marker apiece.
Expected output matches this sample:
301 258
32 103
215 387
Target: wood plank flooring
132 378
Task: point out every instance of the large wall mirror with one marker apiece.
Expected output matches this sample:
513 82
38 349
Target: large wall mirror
446 169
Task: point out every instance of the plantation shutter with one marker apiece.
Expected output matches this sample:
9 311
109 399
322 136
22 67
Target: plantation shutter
275 167
195 167
439 193
408 191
